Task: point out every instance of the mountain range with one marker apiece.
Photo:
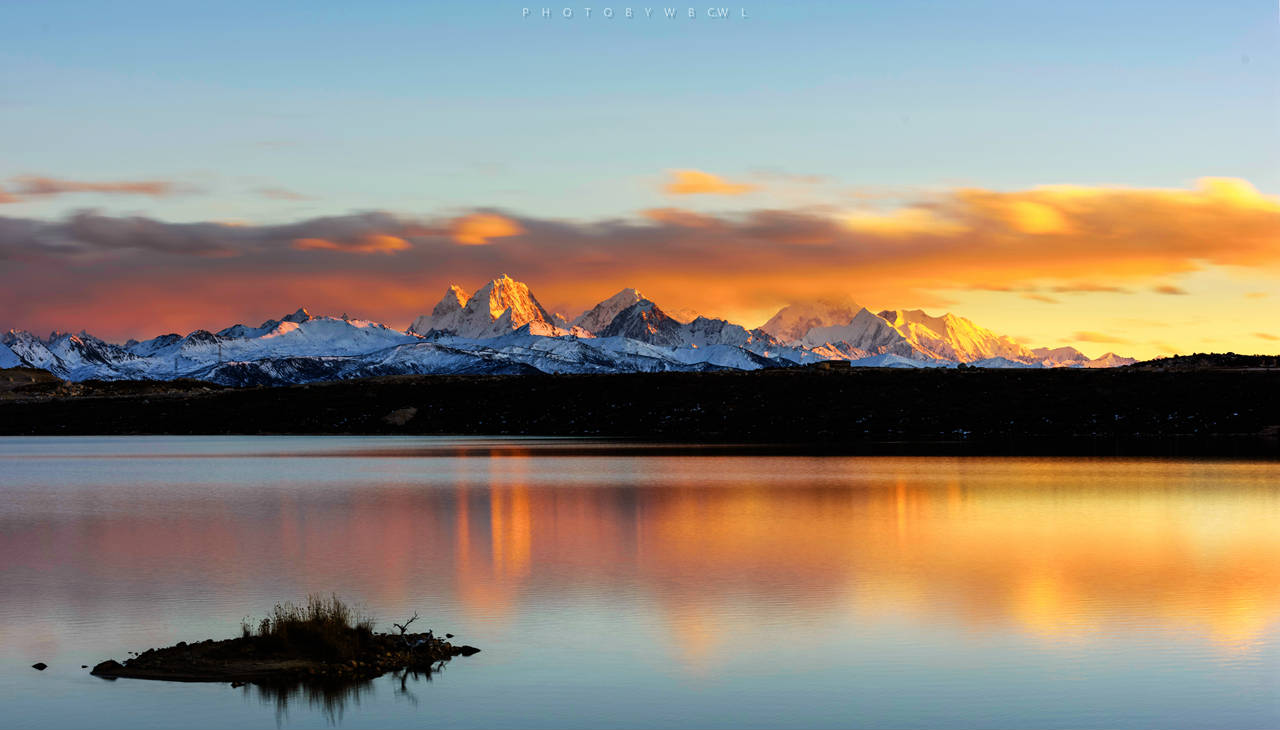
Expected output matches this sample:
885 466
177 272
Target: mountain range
502 328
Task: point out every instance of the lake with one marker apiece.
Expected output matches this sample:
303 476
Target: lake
611 585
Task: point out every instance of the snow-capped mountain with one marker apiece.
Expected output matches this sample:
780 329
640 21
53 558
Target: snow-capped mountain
503 329
1060 357
8 359
499 307
1110 360
954 338
594 320
646 322
863 335
793 322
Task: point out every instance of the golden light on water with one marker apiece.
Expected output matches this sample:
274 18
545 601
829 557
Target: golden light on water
1060 552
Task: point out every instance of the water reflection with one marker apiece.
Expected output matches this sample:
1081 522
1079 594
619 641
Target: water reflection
1060 549
705 568
330 699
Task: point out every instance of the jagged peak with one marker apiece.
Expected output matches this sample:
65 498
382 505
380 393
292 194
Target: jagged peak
793 322
298 317
506 294
598 317
454 299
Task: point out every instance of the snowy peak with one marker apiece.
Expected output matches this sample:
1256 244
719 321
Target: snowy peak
499 307
646 322
1110 360
503 328
298 317
506 296
866 333
793 322
1059 356
954 338
707 332
453 300
598 317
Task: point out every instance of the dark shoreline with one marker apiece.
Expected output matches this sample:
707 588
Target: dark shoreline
1212 412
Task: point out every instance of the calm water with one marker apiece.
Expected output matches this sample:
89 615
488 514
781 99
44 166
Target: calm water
611 587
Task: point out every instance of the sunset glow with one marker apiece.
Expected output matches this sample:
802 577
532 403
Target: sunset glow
710 175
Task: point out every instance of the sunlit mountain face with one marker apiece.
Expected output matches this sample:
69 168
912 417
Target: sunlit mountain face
503 329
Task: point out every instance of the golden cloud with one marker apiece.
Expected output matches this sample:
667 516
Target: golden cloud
742 265
34 185
1101 338
697 182
366 243
478 228
681 217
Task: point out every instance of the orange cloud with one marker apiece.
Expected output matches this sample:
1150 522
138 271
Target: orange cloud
697 182
903 223
680 217
1040 298
1086 287
34 185
281 194
743 265
478 228
1170 289
366 243
1101 338
1265 336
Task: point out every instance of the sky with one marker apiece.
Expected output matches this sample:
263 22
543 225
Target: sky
1092 173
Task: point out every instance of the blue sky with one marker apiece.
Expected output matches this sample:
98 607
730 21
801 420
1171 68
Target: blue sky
421 107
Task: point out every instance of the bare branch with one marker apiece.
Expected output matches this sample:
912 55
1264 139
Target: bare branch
403 626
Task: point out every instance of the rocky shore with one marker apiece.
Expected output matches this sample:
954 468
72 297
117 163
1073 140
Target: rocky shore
322 640
251 660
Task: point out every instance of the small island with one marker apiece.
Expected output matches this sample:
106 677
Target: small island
324 641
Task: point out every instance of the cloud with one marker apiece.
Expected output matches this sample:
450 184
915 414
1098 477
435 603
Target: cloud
681 217
7 198
725 264
281 194
792 178
1086 287
364 243
37 186
1170 289
1040 298
477 229
1265 336
1101 338
1257 295
697 182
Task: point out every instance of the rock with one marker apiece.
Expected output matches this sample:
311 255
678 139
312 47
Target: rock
40 666
109 668
448 636
400 416
467 650
84 666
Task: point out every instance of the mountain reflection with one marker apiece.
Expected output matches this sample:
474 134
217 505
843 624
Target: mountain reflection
331 699
717 547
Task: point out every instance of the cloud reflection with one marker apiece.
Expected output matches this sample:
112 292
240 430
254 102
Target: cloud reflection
720 548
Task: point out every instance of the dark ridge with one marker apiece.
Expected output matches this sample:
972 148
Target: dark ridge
1216 411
